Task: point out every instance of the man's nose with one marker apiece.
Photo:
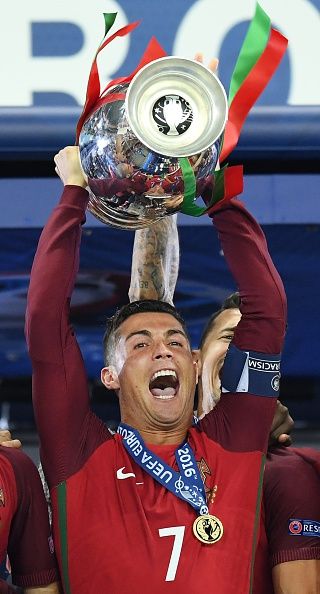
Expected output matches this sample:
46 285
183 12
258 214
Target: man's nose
161 350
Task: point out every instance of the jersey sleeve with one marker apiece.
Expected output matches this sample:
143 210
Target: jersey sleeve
60 390
241 421
30 547
291 495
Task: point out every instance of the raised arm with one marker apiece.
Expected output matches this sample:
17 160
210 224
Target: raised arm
243 416
263 301
155 261
60 391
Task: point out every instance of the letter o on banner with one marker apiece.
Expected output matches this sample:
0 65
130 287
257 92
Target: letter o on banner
304 41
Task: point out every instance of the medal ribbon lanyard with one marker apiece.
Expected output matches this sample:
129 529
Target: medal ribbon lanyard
187 485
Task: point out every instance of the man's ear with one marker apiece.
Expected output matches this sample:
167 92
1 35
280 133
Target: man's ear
197 361
196 354
109 378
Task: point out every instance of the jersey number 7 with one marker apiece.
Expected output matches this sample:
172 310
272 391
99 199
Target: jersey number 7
178 533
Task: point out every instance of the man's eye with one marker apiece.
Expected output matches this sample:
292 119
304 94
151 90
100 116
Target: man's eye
176 343
140 345
227 337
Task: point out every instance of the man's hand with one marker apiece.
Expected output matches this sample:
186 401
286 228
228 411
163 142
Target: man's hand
6 440
68 167
282 425
213 64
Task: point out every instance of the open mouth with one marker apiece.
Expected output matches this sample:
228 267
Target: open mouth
164 384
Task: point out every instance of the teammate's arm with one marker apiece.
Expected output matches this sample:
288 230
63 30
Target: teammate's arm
297 577
29 547
155 261
291 496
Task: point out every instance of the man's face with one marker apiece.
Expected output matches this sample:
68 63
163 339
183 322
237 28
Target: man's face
213 354
155 373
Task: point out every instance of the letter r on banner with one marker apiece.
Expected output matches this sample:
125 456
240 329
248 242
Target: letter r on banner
67 71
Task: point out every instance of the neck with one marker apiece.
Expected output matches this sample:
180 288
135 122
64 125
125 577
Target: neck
163 437
158 436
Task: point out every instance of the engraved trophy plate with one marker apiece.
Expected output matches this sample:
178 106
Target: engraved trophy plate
176 106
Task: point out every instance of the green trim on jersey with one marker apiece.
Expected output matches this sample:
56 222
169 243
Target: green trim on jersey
62 516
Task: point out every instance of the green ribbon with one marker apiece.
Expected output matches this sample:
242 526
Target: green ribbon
109 18
188 206
218 187
253 46
254 43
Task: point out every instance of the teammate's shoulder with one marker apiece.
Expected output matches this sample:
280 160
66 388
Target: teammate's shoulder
21 463
280 456
284 462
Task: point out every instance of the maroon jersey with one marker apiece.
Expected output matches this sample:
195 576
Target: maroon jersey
291 493
25 531
115 528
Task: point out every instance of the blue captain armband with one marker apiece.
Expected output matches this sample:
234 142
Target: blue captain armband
249 371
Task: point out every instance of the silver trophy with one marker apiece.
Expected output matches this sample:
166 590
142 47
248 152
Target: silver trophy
130 147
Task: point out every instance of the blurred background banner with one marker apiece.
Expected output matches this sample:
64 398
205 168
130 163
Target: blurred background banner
46 50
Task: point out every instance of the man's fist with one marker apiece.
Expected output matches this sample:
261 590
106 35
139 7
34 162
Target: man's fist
68 167
6 440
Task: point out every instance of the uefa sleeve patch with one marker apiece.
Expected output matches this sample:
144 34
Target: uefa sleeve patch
249 371
298 527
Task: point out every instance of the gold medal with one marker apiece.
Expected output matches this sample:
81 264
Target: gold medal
208 529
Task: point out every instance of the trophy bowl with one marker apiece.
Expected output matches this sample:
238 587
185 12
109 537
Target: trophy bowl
131 145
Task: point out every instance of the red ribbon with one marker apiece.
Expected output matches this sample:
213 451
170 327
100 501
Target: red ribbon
251 89
94 97
152 52
233 186
93 87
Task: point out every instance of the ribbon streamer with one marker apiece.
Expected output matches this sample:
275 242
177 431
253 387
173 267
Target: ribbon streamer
253 45
153 51
227 183
259 57
93 87
94 96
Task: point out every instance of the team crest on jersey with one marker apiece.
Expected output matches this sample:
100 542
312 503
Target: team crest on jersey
2 499
205 473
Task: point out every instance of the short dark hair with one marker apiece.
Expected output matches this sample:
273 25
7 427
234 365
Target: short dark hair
130 309
231 302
